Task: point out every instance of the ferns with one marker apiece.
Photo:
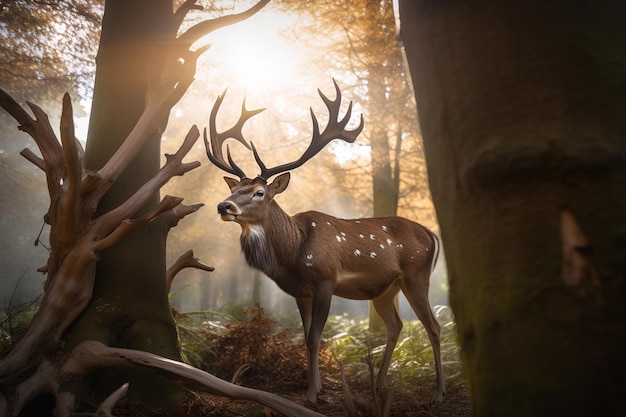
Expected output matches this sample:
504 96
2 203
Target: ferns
246 345
412 361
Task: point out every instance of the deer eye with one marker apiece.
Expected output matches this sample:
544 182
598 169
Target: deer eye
259 193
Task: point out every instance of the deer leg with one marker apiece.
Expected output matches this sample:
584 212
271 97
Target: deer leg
418 298
305 307
386 309
322 296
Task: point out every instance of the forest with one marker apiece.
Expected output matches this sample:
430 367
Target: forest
497 127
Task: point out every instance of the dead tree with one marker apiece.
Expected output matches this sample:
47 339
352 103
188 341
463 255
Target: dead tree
37 364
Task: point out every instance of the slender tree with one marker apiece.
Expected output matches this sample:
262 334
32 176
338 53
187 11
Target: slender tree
522 108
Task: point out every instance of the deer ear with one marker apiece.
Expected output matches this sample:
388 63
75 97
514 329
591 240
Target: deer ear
279 184
232 183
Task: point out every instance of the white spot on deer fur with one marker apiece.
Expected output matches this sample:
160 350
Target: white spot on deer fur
382 246
389 242
309 258
313 224
372 254
361 236
357 252
328 223
338 238
384 228
357 221
400 245
372 237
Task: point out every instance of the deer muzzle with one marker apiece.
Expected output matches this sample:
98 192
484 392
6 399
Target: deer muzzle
228 211
222 208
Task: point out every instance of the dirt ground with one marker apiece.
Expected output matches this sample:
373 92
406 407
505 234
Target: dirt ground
333 403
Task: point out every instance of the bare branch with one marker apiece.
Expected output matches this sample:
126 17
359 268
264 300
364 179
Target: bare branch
93 355
160 98
34 158
15 110
41 131
165 89
204 28
48 144
168 203
68 290
106 408
179 212
73 170
185 8
172 167
186 260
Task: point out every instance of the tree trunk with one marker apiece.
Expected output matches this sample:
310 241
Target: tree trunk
522 107
385 193
130 306
385 186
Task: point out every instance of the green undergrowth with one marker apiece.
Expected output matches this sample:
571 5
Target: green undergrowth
252 347
14 322
412 363
247 346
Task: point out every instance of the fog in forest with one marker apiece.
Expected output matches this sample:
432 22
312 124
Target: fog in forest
276 60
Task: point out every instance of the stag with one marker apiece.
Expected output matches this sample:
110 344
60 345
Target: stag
313 256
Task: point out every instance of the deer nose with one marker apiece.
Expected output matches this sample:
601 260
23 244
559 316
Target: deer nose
222 208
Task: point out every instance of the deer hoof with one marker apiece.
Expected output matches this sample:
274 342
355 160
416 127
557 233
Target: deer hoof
437 400
311 395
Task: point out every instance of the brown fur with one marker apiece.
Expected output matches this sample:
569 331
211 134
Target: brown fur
312 256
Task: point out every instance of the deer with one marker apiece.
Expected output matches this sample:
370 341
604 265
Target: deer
312 256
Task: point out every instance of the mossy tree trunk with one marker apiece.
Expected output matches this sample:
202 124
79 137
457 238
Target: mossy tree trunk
523 113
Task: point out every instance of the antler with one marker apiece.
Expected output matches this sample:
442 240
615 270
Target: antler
336 129
214 150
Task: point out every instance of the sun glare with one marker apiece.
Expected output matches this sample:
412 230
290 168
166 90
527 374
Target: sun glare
264 59
254 54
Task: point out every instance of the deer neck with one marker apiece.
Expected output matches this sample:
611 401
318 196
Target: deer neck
272 244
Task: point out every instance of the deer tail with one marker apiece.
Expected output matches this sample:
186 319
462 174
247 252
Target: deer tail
435 253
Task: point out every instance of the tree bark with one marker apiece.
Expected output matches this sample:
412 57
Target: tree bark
129 307
522 107
385 185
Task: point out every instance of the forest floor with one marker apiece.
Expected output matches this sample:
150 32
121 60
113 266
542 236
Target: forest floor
332 402
254 351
